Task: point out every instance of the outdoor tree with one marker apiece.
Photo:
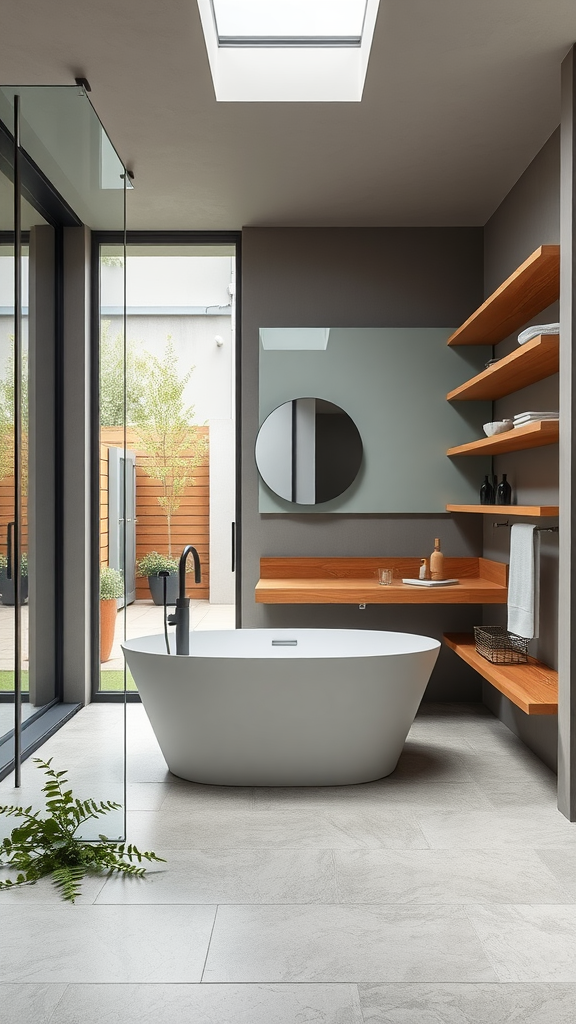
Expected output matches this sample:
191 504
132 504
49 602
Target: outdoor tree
7 422
167 435
112 378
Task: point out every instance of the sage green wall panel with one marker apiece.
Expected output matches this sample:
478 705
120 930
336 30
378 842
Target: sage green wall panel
393 383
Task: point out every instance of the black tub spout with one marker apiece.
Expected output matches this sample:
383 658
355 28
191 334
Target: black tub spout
181 617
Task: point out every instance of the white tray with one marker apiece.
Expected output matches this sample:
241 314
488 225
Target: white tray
430 583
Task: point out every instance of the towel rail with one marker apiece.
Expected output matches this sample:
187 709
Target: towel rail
537 529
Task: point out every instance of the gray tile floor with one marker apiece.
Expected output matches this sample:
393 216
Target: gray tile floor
430 897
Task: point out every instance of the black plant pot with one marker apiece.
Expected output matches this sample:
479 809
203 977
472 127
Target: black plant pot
156 584
7 589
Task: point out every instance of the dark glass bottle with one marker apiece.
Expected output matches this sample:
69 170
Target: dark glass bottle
486 493
504 492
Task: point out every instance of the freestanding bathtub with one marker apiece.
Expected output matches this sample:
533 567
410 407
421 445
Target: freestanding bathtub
279 707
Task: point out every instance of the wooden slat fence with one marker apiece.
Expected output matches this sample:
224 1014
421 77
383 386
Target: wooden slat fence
190 524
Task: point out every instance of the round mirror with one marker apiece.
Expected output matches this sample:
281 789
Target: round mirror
308 451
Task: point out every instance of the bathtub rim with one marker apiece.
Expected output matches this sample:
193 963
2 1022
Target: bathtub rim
207 640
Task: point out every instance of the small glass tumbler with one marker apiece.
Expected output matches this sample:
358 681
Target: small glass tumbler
385 577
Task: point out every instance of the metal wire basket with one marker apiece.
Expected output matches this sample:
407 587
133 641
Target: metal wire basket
499 646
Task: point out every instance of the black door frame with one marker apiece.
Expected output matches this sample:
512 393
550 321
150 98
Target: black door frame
153 238
40 193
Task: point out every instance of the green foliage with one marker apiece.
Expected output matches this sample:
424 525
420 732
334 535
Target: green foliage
153 563
7 422
112 379
23 563
111 583
49 846
164 425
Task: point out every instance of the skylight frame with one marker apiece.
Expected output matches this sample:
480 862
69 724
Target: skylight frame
292 70
288 40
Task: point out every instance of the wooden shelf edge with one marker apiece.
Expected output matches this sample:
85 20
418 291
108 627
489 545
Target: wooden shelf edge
532 435
532 687
534 361
535 511
533 286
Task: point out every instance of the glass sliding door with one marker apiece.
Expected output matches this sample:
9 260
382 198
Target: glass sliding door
26 309
9 708
175 420
70 172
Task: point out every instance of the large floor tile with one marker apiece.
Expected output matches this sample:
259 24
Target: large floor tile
428 763
231 876
536 793
343 828
479 829
521 766
562 863
44 891
528 943
207 1004
468 1004
379 796
186 797
29 1004
146 796
445 876
328 944
72 943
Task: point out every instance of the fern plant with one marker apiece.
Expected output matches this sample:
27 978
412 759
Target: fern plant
49 846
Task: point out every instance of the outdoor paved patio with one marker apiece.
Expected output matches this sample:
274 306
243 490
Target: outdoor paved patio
144 618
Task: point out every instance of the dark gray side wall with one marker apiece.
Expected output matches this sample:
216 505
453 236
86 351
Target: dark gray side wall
528 217
355 277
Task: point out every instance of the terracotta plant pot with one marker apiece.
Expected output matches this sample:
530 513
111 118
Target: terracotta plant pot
108 613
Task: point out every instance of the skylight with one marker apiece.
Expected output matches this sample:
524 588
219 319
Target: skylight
289 22
288 50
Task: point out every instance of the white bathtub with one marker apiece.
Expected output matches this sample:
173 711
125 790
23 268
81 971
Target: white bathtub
239 710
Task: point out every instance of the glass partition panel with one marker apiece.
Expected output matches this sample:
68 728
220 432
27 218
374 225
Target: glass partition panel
8 706
62 139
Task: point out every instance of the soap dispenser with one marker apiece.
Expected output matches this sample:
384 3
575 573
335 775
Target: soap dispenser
437 562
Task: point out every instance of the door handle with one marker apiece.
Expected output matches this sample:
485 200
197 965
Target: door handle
9 543
233 547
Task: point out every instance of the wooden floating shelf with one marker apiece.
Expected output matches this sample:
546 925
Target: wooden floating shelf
354 581
537 359
533 687
532 435
530 289
508 510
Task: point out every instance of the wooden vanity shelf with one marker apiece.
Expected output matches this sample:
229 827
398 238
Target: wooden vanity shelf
354 581
532 687
535 511
533 286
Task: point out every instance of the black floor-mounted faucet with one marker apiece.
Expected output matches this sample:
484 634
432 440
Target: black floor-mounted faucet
181 617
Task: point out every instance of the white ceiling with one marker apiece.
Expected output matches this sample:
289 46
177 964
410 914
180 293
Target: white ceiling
460 96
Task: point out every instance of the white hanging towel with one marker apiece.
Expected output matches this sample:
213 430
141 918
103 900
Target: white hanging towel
524 581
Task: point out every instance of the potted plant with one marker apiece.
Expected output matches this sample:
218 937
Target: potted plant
7 585
150 565
111 588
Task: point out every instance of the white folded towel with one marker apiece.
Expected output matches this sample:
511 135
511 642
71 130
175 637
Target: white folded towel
533 332
524 581
534 417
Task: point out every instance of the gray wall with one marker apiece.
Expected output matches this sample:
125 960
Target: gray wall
355 277
528 217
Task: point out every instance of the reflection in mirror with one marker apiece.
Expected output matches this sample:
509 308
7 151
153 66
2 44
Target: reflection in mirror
308 451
